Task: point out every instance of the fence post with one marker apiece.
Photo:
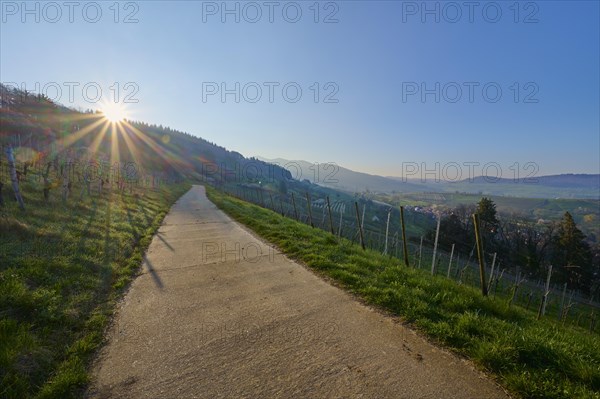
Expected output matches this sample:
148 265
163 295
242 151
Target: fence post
362 223
518 283
480 255
561 309
341 219
404 245
450 263
362 240
13 176
387 231
435 244
330 217
310 219
497 279
567 308
492 272
529 297
542 309
294 204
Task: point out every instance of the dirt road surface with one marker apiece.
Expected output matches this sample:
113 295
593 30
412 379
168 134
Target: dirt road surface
218 313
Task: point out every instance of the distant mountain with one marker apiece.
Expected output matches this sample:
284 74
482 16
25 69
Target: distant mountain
555 186
571 180
565 180
334 176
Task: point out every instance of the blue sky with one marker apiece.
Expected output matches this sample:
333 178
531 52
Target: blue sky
372 57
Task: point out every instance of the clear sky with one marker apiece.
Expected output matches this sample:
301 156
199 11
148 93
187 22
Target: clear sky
374 57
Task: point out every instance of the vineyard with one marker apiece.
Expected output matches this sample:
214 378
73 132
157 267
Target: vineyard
381 232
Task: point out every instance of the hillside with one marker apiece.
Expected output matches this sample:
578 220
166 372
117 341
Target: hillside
42 131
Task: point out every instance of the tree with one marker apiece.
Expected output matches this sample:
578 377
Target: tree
464 212
572 256
455 228
488 223
487 214
523 243
453 231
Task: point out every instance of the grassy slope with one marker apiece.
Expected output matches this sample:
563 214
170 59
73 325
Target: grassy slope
62 267
533 359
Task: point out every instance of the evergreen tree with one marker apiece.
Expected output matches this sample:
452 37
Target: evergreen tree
487 214
488 223
453 231
572 256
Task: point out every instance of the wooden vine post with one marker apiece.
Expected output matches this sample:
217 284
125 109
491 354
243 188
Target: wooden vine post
341 220
310 219
435 244
330 217
387 231
404 245
479 245
294 204
12 170
360 230
450 263
542 309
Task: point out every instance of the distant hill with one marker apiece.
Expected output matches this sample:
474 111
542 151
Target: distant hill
583 186
569 180
340 178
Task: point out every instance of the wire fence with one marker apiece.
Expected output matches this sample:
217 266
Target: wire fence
503 282
374 225
65 174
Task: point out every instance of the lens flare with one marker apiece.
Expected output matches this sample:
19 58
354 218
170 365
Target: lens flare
114 112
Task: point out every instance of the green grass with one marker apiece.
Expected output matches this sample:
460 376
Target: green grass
532 359
62 267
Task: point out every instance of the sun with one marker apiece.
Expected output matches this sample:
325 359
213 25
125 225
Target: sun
114 112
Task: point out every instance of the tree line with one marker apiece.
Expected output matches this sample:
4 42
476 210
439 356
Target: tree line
520 243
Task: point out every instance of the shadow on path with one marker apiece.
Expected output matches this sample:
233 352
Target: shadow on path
152 272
